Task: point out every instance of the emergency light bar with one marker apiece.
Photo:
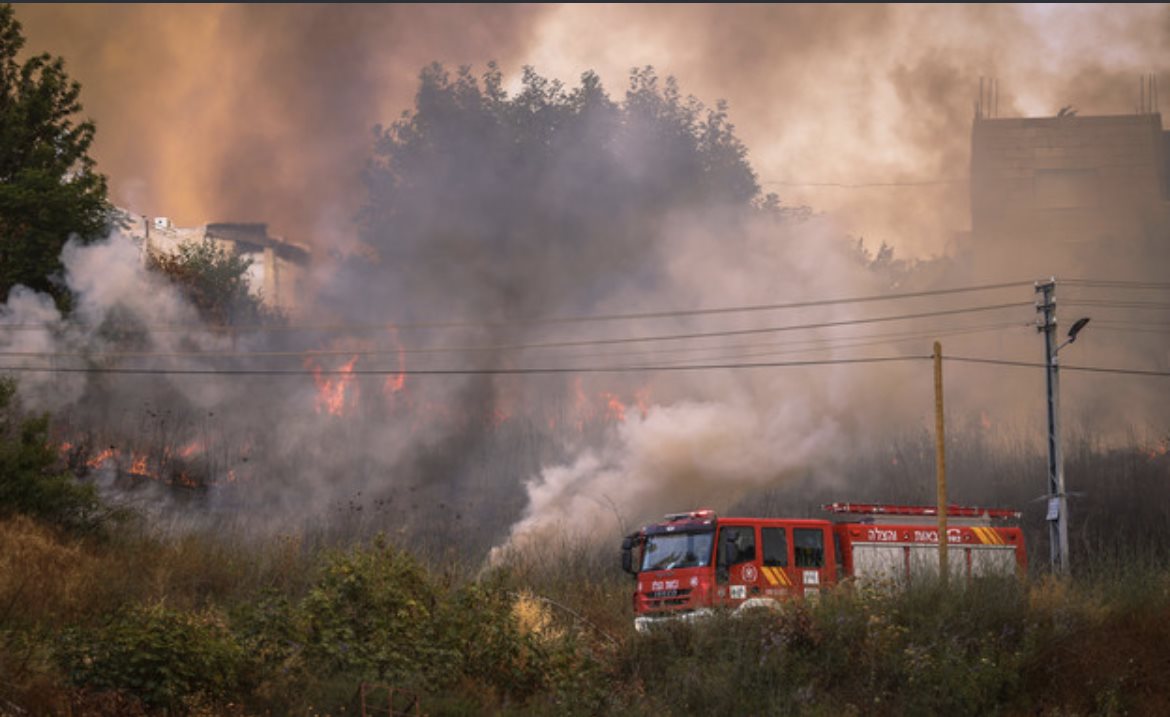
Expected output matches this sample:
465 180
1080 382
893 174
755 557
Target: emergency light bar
704 514
956 511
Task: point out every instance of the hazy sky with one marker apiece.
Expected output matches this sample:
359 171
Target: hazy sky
264 112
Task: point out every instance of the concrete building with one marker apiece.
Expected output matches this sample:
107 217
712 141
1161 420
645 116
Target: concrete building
278 267
1060 192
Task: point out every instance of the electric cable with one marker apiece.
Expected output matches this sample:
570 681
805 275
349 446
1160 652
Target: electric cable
866 185
1063 367
679 313
456 372
671 337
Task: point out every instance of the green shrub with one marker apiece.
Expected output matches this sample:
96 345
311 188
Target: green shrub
370 615
163 657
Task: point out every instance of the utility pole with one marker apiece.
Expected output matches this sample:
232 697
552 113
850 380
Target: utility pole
940 464
1057 500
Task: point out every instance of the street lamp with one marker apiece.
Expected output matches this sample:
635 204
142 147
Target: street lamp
1057 498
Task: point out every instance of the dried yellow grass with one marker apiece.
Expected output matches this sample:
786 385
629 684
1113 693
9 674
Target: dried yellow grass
42 575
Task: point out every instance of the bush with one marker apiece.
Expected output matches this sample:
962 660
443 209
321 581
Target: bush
370 614
164 658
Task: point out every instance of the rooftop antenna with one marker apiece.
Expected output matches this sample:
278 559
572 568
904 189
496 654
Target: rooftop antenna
995 103
979 104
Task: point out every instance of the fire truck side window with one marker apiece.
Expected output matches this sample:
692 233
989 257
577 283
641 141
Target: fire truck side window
737 545
775 547
808 547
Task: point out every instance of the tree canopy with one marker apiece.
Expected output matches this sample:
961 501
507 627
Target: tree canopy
525 199
49 189
214 280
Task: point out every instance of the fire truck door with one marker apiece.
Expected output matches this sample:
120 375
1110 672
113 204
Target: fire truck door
737 574
779 578
808 552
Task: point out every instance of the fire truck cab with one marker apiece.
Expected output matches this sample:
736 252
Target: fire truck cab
693 563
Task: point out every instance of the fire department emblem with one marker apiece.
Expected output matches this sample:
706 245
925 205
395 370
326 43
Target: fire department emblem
749 573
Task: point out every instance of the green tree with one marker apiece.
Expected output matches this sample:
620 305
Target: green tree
550 198
214 279
49 190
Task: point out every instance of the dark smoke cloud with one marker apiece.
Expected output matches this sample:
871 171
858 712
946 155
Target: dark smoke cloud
871 94
264 113
256 112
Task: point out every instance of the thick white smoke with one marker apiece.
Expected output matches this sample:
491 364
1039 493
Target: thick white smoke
713 435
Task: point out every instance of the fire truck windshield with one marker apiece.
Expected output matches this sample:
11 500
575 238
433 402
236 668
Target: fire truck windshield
677 550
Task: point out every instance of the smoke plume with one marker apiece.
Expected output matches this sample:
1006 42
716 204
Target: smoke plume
475 258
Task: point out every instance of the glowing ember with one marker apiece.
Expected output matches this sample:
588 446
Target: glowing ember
138 466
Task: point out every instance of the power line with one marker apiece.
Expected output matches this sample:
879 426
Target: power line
865 185
1131 327
1063 367
1117 304
849 342
1116 284
678 313
567 344
456 372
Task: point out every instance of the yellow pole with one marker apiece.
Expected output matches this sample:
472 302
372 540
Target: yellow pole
940 463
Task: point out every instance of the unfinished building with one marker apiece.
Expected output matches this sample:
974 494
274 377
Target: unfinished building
1057 194
278 267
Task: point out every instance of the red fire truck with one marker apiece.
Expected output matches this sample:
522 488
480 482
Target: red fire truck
692 563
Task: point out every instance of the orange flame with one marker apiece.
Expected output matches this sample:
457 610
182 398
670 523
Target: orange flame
138 465
101 458
396 382
615 409
195 446
331 391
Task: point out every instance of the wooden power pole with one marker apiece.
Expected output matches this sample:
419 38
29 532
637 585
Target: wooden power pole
940 463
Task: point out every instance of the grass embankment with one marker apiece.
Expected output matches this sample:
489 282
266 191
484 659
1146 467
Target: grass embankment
207 625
